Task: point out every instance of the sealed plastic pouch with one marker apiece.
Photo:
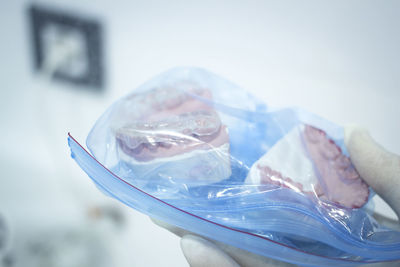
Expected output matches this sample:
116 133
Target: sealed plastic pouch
196 151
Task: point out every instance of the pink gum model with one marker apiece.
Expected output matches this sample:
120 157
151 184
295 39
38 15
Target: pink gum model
338 181
175 123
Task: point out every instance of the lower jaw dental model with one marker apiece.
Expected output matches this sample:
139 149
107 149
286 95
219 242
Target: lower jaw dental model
307 161
178 136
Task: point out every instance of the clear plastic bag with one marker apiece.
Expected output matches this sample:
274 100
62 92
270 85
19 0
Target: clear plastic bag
198 152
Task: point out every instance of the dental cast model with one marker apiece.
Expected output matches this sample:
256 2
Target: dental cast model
307 161
177 135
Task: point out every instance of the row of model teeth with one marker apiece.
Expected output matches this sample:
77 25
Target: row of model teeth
181 129
153 146
270 176
331 152
163 98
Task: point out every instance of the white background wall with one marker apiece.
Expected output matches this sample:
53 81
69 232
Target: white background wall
339 60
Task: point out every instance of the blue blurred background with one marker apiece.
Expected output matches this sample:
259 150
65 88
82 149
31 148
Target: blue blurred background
63 62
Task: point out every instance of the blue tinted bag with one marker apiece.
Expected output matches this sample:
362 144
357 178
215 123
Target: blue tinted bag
196 151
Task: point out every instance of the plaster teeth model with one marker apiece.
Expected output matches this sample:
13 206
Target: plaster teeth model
307 161
177 135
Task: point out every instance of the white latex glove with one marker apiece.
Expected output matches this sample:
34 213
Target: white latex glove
379 168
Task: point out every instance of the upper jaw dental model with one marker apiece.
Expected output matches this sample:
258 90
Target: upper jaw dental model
177 131
307 161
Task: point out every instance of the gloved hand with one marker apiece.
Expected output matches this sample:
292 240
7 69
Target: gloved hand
378 167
